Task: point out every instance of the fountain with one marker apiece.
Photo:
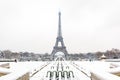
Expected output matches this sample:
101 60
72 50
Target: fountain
52 67
65 75
49 74
59 75
71 75
54 75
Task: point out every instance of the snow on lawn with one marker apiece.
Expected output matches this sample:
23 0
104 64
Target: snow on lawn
96 65
20 68
28 66
100 70
99 65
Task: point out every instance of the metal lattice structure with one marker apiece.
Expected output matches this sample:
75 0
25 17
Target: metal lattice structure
59 40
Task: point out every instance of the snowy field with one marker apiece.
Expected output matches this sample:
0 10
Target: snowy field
62 70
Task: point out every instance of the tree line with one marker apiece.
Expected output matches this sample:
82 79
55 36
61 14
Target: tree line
30 56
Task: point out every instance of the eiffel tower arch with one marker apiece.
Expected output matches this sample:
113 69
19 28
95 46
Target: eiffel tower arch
59 45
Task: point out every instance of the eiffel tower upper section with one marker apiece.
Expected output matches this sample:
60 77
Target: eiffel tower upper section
59 36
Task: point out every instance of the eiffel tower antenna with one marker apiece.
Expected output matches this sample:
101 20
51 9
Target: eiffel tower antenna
59 29
59 39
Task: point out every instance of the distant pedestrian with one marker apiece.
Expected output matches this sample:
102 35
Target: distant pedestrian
15 60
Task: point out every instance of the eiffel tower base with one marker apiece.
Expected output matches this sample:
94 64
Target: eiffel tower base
59 49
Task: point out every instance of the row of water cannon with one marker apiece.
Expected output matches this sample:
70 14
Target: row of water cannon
60 71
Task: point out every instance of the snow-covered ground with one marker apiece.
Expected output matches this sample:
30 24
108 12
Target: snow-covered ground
100 70
19 69
69 70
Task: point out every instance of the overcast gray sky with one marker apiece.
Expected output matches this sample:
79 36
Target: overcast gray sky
87 25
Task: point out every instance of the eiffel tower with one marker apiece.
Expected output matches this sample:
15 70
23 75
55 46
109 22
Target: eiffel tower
59 39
